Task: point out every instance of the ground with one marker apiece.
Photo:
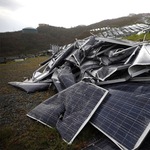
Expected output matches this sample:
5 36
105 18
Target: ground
17 131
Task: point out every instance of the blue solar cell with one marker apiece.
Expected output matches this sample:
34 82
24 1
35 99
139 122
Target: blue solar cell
70 109
124 115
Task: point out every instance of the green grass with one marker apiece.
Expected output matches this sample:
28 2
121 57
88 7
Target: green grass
140 38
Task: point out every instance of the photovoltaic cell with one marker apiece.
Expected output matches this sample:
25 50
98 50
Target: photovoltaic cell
70 109
124 116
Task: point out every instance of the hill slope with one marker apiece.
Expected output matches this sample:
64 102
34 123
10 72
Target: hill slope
16 43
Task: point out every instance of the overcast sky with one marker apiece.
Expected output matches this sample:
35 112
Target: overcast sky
18 14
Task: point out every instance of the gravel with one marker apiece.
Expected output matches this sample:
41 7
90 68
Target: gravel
16 103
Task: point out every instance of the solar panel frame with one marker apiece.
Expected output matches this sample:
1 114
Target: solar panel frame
124 116
141 64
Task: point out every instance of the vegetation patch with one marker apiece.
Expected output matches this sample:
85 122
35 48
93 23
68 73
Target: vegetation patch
136 37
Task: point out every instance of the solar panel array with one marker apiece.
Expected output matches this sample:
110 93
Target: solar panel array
70 109
120 32
124 115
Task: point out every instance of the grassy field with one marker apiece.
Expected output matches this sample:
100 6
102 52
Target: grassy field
17 131
138 38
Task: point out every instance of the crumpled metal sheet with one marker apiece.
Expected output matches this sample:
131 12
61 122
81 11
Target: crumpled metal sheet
30 87
142 62
81 57
66 77
106 71
102 143
58 85
70 109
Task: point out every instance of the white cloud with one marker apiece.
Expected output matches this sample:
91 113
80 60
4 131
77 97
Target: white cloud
10 4
66 13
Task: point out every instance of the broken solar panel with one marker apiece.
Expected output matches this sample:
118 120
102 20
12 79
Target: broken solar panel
58 85
106 71
70 109
102 143
124 116
142 62
117 79
66 76
30 87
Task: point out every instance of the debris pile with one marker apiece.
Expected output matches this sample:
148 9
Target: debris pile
103 81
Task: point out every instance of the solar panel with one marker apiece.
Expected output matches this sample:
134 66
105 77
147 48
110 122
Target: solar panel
70 109
106 71
142 62
66 77
57 82
30 87
102 143
124 115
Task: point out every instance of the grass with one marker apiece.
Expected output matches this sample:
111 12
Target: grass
140 37
38 136
17 131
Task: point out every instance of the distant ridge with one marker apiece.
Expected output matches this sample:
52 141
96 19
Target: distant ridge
17 43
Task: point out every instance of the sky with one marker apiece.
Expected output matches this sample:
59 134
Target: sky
18 14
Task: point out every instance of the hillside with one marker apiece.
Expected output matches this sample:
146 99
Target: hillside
17 43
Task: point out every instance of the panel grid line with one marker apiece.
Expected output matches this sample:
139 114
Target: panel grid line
70 109
123 116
